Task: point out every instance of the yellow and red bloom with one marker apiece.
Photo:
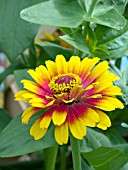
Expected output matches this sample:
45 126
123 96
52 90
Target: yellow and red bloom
74 93
54 37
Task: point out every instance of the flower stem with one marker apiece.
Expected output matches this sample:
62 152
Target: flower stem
50 155
75 153
24 59
63 150
92 7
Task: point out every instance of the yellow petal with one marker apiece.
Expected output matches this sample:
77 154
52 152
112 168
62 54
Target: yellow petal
59 115
117 103
43 73
36 131
35 76
29 95
100 68
61 133
45 122
102 85
28 113
104 121
19 95
86 65
31 86
109 103
96 72
78 129
112 91
91 118
74 64
39 105
61 64
51 66
110 77
38 102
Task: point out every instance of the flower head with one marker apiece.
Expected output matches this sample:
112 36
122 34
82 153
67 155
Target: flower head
53 38
75 94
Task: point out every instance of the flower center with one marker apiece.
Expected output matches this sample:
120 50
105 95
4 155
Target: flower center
64 82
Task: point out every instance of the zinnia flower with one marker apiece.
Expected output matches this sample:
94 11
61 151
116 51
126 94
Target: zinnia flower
74 93
52 38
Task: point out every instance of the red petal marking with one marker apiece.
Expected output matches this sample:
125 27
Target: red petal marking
46 87
76 111
90 92
47 113
61 108
44 91
93 101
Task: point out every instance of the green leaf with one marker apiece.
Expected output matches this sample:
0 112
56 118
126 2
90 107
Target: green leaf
15 34
53 49
125 76
20 75
114 136
122 147
121 83
85 166
115 41
110 18
10 69
125 167
55 13
126 11
105 158
15 139
119 5
119 116
71 14
77 40
5 118
93 140
104 13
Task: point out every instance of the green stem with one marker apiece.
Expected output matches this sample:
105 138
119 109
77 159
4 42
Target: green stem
85 29
75 153
63 150
50 155
24 59
92 7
